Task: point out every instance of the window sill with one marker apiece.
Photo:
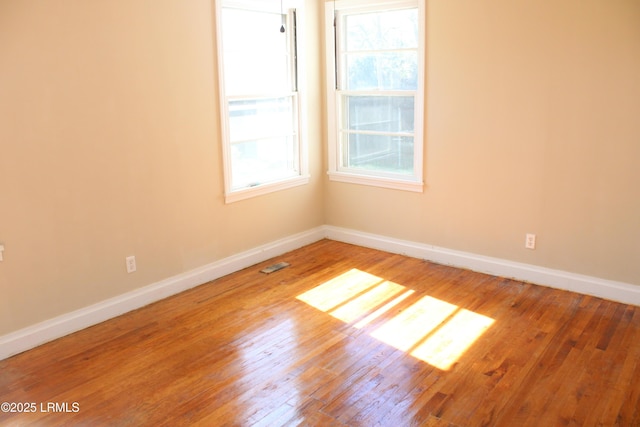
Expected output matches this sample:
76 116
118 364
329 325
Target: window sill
247 193
394 183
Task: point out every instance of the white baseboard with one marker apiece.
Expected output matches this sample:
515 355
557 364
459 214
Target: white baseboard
615 291
32 336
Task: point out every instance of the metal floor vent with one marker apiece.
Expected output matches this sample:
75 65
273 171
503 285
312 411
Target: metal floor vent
275 267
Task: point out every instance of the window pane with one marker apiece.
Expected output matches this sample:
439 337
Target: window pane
258 118
382 71
256 74
379 113
252 30
382 30
263 49
261 161
386 153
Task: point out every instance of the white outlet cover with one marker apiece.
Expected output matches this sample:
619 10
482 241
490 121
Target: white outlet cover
131 264
530 241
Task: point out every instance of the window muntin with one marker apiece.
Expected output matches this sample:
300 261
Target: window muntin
377 134
262 145
377 100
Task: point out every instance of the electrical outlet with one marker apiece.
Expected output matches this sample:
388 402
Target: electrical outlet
530 241
131 264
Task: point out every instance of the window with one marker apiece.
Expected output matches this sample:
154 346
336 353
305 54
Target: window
261 107
375 101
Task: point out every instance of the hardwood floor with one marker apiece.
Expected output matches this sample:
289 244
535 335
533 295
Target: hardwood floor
345 336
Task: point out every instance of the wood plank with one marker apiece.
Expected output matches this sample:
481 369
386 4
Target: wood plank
245 350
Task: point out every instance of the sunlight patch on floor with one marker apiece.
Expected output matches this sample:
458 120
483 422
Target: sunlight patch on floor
410 325
445 346
380 311
430 329
367 301
339 289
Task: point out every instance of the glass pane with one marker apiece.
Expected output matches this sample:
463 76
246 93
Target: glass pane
382 71
259 118
261 161
250 30
382 30
255 74
256 54
379 113
387 153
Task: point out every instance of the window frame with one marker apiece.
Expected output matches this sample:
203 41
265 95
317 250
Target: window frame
337 172
298 76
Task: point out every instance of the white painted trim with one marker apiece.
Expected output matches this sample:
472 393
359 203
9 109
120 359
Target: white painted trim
267 188
377 181
612 290
32 336
302 175
335 170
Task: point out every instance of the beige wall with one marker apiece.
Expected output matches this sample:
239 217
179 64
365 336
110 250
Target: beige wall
109 146
532 125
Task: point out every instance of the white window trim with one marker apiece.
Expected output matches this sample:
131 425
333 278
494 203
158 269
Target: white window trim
377 179
231 195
